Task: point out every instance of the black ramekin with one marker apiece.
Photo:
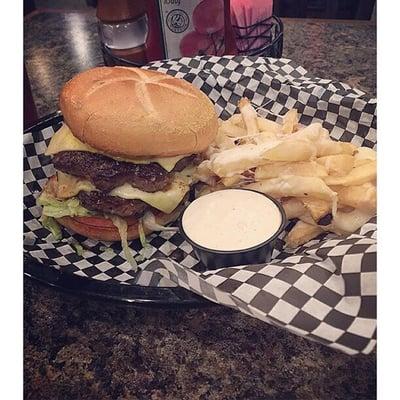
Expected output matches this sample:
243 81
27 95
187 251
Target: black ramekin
261 253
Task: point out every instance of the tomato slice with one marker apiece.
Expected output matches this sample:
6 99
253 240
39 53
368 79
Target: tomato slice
102 222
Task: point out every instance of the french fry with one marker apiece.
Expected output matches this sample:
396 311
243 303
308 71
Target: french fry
361 162
205 174
296 186
231 130
330 147
318 208
266 125
344 208
266 136
237 120
294 150
258 138
249 116
302 168
302 233
239 159
313 133
211 149
362 197
231 181
357 176
349 222
337 164
363 155
308 219
290 121
293 207
224 142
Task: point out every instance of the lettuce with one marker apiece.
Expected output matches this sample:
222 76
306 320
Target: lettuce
149 222
78 248
142 235
61 208
122 227
52 225
147 248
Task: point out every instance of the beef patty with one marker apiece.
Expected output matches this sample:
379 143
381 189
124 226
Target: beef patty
106 173
103 203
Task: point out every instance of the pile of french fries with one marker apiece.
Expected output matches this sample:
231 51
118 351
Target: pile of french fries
325 184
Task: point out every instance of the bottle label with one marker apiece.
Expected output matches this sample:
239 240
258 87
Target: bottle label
192 27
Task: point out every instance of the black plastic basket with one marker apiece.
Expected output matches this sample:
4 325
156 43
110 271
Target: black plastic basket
268 31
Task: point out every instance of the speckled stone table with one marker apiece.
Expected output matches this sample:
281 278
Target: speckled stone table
78 348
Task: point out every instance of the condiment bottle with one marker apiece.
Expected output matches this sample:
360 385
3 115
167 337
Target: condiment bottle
127 30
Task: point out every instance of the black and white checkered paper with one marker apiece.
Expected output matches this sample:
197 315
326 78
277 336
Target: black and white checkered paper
324 290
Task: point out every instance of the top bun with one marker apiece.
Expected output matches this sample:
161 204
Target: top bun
131 112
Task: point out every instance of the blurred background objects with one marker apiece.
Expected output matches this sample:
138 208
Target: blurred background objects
64 37
335 9
332 9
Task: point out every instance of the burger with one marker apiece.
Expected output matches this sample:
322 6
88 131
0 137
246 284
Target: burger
125 154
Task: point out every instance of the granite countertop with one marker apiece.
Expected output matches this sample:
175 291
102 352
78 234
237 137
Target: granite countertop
80 348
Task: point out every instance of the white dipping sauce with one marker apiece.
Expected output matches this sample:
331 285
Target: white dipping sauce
231 219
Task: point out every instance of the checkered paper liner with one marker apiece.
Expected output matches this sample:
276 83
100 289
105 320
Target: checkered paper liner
324 290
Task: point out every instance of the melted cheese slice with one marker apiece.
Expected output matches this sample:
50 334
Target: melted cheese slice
64 140
69 186
166 201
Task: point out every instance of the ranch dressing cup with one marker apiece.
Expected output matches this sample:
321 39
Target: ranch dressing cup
233 227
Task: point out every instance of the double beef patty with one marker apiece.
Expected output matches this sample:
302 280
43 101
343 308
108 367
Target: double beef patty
106 173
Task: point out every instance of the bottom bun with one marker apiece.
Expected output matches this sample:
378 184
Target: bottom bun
101 228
